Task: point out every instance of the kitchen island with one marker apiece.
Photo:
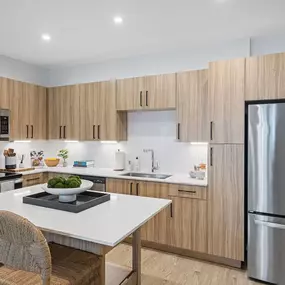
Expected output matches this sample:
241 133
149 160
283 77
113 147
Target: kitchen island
97 230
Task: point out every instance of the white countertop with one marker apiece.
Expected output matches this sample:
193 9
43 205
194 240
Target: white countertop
178 178
106 224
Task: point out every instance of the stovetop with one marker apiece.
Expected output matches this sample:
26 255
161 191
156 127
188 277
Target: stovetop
6 175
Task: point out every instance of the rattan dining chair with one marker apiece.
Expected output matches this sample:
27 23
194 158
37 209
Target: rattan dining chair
28 259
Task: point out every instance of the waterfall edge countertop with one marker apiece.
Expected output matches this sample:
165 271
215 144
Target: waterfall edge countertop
106 224
178 178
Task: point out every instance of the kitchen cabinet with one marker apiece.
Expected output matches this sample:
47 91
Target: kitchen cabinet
192 106
226 201
34 179
99 119
226 99
265 77
63 113
119 186
5 87
188 225
147 93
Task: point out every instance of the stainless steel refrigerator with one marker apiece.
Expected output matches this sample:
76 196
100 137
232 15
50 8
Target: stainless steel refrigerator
266 191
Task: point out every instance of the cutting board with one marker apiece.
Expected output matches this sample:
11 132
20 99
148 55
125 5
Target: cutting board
18 169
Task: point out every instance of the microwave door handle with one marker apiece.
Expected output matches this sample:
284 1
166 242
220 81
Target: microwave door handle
270 225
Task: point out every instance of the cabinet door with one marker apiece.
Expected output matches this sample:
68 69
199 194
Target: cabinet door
226 202
54 113
88 94
71 109
4 93
265 77
160 92
189 223
16 93
192 106
125 94
157 229
38 113
226 93
119 186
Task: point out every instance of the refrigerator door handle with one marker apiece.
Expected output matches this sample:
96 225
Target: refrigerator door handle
269 225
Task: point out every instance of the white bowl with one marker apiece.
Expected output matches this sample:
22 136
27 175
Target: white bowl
67 195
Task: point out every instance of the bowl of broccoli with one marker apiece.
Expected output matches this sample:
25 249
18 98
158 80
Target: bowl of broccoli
67 188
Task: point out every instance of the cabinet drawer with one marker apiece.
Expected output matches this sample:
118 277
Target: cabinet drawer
186 191
32 179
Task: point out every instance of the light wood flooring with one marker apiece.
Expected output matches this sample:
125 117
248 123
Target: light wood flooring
168 269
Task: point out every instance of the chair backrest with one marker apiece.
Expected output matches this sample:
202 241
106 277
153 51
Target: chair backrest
23 246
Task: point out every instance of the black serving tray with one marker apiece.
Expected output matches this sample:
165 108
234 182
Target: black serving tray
83 202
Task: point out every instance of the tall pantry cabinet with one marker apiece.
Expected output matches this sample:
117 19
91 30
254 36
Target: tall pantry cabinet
226 159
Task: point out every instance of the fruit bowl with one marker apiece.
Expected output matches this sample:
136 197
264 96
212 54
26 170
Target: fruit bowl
52 162
68 195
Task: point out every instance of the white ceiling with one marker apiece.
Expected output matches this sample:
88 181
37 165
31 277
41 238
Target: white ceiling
83 31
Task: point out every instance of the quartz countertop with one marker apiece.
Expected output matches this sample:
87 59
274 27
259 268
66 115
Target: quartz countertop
106 224
177 178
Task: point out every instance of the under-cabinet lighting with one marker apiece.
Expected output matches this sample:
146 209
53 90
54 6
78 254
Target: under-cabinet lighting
199 143
118 20
46 37
22 141
109 142
71 141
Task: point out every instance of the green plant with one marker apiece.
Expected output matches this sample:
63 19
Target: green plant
63 153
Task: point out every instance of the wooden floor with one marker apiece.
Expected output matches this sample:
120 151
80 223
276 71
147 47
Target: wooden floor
162 268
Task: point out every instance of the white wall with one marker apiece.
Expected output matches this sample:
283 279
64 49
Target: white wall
179 60
22 71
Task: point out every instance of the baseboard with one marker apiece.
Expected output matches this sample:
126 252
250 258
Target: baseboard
192 254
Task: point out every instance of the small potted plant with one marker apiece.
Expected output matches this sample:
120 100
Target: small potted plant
63 153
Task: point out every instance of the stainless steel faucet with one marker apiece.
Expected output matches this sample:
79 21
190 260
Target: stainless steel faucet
154 166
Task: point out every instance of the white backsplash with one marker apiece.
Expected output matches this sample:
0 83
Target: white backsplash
154 130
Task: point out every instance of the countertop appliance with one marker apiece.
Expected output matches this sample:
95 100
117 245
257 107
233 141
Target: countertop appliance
99 183
10 181
4 125
265 152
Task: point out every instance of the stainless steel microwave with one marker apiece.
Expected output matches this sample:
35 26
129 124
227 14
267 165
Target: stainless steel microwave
4 124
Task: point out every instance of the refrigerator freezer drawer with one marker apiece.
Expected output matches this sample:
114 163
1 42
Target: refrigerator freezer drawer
266 248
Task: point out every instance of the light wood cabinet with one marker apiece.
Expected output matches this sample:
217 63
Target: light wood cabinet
147 93
99 119
5 88
119 186
265 77
63 113
192 106
188 225
226 97
226 201
34 179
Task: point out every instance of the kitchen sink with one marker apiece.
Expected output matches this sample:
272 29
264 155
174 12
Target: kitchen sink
146 175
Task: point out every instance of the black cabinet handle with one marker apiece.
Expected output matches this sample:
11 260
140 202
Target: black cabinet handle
131 188
32 129
98 132
64 132
146 98
137 189
93 132
178 131
60 129
211 156
185 191
171 210
211 130
141 98
27 131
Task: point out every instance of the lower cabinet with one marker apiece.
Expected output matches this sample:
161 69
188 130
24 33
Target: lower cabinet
183 224
34 179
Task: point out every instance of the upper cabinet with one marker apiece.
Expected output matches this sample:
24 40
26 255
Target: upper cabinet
99 119
147 93
226 99
265 77
63 113
5 87
192 106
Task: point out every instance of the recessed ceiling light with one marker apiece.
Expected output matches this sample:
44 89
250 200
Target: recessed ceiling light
118 20
46 37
